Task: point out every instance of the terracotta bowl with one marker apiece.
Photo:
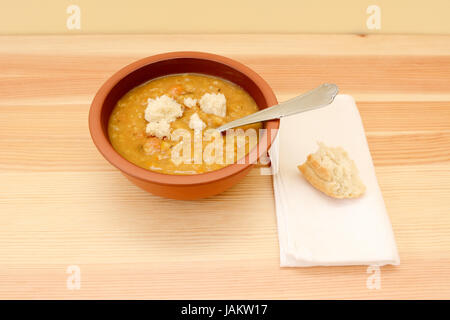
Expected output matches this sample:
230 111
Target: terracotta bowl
184 187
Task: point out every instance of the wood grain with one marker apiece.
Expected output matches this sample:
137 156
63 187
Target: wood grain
62 204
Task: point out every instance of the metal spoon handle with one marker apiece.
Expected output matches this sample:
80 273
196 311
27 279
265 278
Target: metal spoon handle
314 99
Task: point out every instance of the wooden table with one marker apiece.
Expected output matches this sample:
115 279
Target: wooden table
62 204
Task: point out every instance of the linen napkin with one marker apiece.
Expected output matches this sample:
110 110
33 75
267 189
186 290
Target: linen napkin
317 230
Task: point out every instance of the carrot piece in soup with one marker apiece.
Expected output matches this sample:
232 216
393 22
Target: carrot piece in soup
152 145
176 91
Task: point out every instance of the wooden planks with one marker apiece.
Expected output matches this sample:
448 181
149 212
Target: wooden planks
62 204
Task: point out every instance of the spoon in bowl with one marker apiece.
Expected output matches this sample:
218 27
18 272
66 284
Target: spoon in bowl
319 97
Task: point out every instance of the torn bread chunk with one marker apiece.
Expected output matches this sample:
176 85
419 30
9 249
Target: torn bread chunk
196 123
189 102
331 171
214 103
160 129
163 108
160 112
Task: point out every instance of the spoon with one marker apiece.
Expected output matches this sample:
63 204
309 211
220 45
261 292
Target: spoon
319 97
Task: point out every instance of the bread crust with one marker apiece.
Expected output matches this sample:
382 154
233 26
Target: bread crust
323 178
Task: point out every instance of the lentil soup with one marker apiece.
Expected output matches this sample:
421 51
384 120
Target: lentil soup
198 102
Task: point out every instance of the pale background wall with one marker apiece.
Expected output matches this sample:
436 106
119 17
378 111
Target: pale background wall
226 16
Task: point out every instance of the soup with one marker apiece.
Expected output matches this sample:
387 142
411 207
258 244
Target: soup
150 122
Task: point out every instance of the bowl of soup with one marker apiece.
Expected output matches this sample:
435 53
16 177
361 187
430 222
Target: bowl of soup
155 121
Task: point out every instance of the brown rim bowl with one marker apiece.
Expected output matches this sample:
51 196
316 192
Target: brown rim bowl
183 187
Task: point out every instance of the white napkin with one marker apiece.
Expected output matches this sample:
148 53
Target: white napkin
317 230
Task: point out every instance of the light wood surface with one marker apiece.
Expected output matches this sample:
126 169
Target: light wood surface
62 204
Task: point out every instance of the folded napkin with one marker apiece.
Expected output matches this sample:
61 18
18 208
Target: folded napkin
317 230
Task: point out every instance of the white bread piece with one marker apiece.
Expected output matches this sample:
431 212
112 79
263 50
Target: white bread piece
160 112
195 123
331 171
214 103
190 102
159 129
163 108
